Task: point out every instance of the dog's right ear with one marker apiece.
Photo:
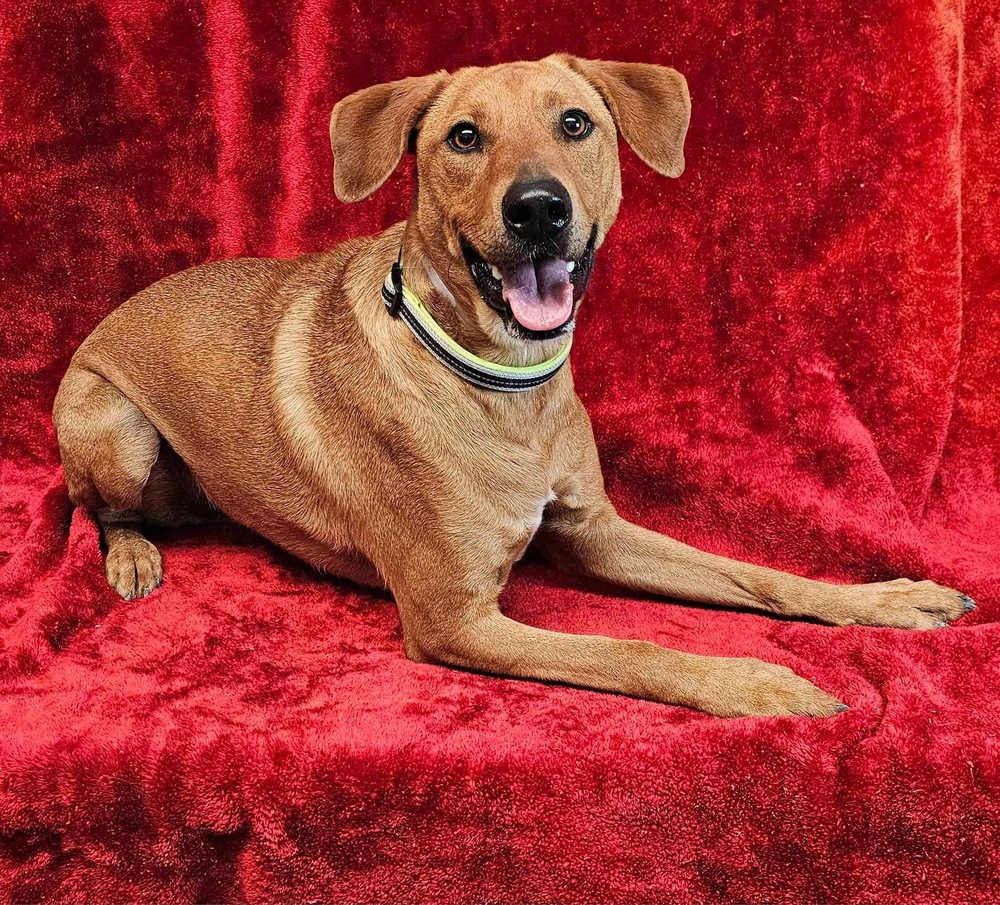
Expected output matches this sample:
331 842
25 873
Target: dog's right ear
370 131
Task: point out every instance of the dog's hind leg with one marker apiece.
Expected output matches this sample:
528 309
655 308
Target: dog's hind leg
108 450
132 565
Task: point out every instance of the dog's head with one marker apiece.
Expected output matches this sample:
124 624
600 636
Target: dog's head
517 171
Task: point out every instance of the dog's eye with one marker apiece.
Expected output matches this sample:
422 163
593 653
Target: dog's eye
576 124
464 137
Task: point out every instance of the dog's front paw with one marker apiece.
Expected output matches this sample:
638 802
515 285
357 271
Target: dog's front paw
748 687
903 604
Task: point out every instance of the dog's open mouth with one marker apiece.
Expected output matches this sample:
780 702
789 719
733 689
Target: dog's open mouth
536 297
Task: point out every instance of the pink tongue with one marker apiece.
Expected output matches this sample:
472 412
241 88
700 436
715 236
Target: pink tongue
540 295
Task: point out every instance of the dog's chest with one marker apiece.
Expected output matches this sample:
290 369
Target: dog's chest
526 526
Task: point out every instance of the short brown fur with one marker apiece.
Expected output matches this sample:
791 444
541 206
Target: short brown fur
197 392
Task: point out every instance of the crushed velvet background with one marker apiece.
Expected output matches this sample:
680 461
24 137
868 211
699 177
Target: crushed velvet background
790 355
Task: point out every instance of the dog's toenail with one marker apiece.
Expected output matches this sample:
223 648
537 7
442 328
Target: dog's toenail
968 604
942 624
842 707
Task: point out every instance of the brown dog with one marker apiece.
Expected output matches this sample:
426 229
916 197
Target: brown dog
283 394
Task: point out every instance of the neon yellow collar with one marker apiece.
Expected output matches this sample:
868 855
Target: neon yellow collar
402 302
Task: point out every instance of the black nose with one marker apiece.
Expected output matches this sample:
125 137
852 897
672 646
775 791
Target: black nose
537 210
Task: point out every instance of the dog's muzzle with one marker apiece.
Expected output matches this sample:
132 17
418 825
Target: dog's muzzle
535 293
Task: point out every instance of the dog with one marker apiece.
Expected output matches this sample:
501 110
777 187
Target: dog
397 411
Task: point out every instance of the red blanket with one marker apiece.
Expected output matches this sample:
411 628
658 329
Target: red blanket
790 356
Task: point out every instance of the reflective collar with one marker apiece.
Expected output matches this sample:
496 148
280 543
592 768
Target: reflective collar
402 302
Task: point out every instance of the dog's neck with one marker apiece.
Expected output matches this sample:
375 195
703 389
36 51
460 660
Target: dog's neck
443 284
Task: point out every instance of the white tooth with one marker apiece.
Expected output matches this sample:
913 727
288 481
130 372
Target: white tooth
571 266
496 272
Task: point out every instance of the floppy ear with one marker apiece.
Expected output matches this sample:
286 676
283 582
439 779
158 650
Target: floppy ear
650 105
370 131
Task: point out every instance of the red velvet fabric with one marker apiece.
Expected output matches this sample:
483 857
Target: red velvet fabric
790 355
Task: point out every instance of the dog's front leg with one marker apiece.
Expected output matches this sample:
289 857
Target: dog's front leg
450 624
586 535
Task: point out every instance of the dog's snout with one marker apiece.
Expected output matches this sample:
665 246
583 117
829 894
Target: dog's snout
537 210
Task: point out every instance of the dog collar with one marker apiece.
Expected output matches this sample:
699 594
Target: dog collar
402 302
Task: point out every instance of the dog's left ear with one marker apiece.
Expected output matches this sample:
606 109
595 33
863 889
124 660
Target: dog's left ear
370 131
650 105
